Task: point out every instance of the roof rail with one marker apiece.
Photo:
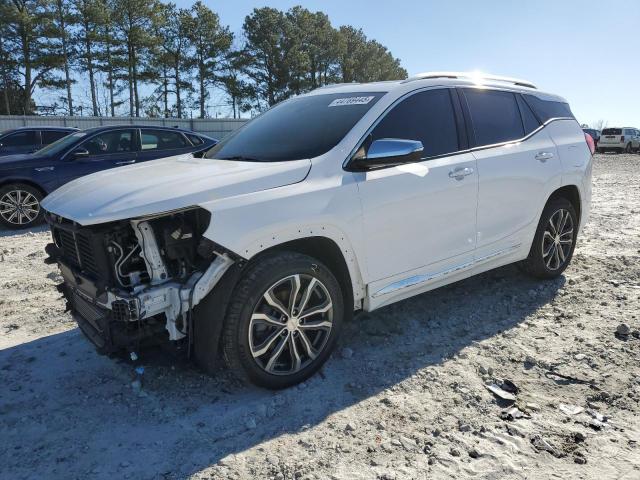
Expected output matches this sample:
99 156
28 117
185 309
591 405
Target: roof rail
329 85
476 76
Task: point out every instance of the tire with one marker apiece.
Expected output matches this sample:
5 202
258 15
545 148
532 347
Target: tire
28 197
628 148
261 348
548 266
601 150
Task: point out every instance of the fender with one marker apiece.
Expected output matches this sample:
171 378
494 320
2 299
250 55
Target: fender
254 223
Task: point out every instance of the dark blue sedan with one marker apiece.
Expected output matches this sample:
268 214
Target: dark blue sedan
26 179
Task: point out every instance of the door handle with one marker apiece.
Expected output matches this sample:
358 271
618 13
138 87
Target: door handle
126 162
44 169
460 172
544 156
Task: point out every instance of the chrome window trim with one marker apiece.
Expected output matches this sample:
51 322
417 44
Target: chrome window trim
345 163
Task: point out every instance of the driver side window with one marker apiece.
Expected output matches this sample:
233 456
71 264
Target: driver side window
426 116
119 141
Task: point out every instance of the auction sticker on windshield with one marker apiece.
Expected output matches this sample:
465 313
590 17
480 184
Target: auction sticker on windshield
342 102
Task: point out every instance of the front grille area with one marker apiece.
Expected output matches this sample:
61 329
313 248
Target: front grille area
78 250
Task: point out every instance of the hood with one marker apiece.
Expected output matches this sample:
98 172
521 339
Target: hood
164 185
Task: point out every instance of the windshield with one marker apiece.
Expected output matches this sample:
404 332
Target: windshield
302 127
612 131
60 145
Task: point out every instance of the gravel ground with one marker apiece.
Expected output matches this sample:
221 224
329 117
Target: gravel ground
405 395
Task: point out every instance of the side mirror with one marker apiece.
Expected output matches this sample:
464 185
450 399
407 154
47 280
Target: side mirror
387 152
80 153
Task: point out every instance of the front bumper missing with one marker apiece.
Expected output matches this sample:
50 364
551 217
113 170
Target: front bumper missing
106 332
115 320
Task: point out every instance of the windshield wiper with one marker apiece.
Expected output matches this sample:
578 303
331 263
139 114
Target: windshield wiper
241 158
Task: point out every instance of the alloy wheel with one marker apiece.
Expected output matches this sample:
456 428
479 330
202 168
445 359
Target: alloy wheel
557 239
291 324
19 207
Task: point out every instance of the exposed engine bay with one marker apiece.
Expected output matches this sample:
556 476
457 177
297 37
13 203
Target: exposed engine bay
131 280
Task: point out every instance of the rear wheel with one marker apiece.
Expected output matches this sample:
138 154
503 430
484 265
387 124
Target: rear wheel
20 206
554 242
283 321
628 148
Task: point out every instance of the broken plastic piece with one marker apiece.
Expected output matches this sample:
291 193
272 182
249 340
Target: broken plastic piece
499 392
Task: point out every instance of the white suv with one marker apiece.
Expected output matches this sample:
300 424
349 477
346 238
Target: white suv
348 198
619 140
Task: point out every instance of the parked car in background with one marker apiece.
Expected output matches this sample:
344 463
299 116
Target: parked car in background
27 178
595 135
626 139
30 139
351 197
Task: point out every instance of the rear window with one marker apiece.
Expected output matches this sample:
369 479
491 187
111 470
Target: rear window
161 140
50 136
547 109
612 131
528 118
195 139
302 127
495 116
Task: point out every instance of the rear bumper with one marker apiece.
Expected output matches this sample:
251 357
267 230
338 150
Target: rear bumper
611 146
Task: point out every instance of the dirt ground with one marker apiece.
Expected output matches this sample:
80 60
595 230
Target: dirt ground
405 395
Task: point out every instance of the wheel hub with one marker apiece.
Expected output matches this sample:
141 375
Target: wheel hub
19 207
290 324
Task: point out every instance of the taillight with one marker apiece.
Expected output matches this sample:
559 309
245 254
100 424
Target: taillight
622 138
590 143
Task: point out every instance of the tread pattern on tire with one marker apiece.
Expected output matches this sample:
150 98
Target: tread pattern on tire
233 351
533 265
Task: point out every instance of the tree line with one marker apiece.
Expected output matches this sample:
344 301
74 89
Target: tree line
149 58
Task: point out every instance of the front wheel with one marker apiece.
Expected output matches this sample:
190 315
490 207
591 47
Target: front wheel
554 242
20 206
283 321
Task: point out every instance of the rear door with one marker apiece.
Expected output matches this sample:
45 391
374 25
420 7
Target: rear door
102 151
50 136
518 165
160 143
22 141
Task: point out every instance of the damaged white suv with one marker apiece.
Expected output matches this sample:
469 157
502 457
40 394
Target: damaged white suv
348 198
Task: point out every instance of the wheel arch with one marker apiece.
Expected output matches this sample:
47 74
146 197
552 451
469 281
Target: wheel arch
13 181
571 193
330 254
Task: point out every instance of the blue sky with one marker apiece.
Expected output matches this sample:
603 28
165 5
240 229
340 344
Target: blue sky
587 51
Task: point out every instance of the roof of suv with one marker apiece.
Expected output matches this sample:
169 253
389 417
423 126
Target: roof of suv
451 79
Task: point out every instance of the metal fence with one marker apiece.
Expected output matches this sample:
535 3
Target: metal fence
216 128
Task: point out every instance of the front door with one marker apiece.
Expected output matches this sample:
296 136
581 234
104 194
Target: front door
420 218
104 150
